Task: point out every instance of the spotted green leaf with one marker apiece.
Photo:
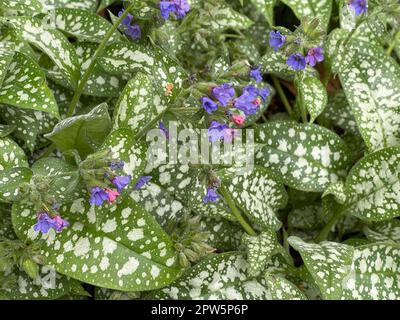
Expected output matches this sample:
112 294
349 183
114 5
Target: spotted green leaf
282 289
139 104
6 56
82 132
74 4
82 24
21 5
304 156
10 181
320 9
5 130
259 250
338 190
257 194
25 86
371 82
306 218
384 231
224 17
312 95
220 276
266 7
328 262
51 42
130 251
11 155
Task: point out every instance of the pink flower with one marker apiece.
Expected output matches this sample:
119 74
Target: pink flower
237 119
112 194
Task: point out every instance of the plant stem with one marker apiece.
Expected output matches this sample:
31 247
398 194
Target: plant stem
393 43
323 235
236 211
282 95
89 70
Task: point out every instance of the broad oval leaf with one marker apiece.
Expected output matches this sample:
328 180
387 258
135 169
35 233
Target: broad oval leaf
10 181
304 156
11 155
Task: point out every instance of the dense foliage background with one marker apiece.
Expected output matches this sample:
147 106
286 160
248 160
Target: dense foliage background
84 213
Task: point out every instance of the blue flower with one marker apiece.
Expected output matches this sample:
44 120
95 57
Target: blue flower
296 61
97 196
179 7
134 31
359 6
44 223
120 182
314 56
276 40
141 182
216 131
256 74
209 105
264 93
116 165
248 102
162 127
127 20
211 196
223 93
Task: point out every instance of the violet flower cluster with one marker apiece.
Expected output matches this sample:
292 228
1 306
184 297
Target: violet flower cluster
133 31
179 7
47 221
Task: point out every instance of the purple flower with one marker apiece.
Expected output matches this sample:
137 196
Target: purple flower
133 31
97 196
276 40
116 165
162 127
256 74
216 131
211 196
120 182
223 93
44 223
127 20
60 223
141 182
209 105
264 93
179 7
314 56
359 6
296 61
248 102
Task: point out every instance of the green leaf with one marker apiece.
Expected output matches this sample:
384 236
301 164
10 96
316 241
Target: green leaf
130 251
371 82
25 86
6 56
312 95
11 155
139 104
51 42
218 277
224 17
257 194
83 25
338 190
78 4
328 262
266 7
320 9
82 132
373 186
339 112
303 156
6 130
307 218
22 5
282 289
10 181
384 231
259 250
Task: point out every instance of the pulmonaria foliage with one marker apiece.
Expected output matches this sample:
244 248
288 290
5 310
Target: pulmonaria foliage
200 149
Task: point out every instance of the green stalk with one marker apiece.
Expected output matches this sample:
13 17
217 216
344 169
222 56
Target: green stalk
89 70
323 235
236 211
393 43
282 95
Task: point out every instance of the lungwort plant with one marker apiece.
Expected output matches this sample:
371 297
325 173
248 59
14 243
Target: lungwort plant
200 149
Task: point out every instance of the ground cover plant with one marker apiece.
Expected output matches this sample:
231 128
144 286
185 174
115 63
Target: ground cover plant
200 149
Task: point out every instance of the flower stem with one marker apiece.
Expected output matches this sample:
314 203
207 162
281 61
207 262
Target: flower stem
236 211
323 235
393 43
89 70
282 95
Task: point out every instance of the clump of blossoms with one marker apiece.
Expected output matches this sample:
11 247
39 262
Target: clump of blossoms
300 46
358 6
50 219
132 31
178 7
